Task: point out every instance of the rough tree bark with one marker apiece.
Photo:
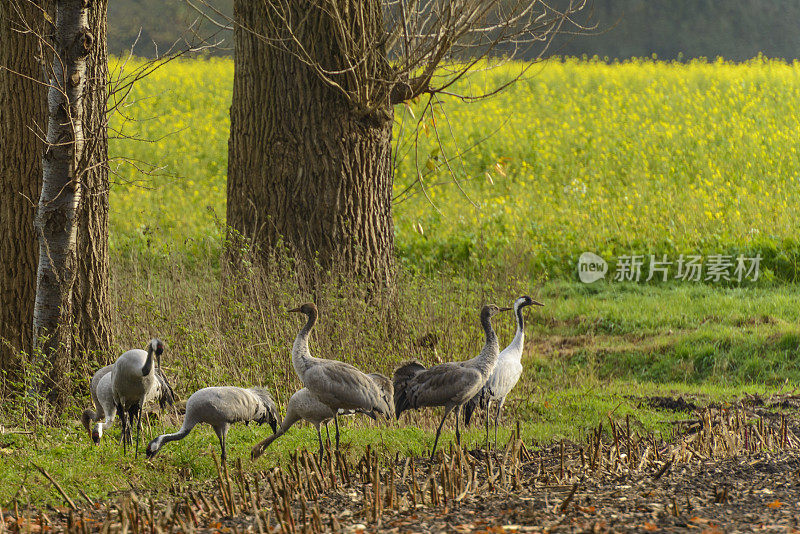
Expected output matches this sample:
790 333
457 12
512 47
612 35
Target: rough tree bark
305 166
22 109
91 310
57 214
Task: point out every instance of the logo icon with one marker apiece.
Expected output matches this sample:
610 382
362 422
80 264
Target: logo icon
591 267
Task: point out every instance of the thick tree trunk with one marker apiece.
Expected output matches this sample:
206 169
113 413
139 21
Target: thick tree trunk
57 215
306 167
90 297
22 112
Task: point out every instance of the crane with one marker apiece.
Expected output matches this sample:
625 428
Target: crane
338 385
108 410
303 405
133 383
307 406
506 372
220 407
91 415
449 384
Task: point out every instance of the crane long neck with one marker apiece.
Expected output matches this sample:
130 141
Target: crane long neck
148 363
288 421
180 434
487 359
520 320
300 353
519 338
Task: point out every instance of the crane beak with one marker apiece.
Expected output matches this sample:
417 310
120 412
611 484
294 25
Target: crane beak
505 309
536 303
294 310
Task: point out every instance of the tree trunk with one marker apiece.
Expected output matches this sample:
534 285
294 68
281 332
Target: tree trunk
306 167
57 214
22 112
90 301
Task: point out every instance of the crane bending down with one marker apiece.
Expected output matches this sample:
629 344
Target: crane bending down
338 385
91 415
306 406
108 410
505 375
449 384
303 405
220 407
133 383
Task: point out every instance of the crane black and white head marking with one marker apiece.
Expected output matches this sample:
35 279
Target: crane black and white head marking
157 346
270 414
526 301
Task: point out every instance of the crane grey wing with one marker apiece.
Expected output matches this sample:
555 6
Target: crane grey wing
340 385
444 384
479 400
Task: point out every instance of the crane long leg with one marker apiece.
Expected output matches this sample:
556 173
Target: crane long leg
123 417
496 419
138 428
458 433
488 402
224 454
328 430
447 411
319 438
336 424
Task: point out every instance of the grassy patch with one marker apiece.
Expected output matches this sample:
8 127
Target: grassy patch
592 352
67 453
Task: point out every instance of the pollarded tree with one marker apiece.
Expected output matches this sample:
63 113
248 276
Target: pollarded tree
315 83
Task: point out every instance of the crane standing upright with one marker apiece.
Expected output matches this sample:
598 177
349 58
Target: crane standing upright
338 385
506 372
449 384
133 383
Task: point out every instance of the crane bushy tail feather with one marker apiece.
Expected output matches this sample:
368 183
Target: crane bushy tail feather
387 394
271 415
478 401
168 396
402 376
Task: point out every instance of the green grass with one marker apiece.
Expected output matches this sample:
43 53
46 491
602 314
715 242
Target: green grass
592 353
67 454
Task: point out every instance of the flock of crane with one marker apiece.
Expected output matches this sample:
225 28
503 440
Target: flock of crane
331 388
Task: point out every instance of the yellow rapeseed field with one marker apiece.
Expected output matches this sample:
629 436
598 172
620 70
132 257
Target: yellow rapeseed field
633 157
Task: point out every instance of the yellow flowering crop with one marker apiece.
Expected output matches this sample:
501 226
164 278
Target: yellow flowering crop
640 156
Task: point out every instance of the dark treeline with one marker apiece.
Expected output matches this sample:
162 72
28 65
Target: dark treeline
733 29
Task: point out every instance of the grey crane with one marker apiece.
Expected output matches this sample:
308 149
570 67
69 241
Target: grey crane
90 415
449 384
506 372
220 407
338 385
303 405
108 410
307 406
134 382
